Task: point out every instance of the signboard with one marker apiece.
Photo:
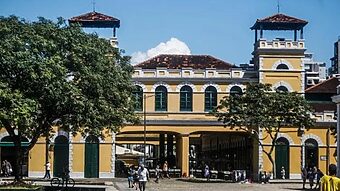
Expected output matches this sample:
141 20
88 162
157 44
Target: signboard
323 157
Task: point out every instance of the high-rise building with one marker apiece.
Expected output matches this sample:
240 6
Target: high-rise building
315 71
335 68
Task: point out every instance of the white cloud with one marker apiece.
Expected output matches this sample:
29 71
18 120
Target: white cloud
172 46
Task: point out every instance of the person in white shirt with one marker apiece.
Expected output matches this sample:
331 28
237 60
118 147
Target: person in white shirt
48 169
143 175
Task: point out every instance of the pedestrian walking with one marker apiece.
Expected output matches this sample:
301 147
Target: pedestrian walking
304 176
135 180
9 169
157 173
283 172
318 176
330 182
48 170
166 170
130 176
311 177
143 174
3 168
207 172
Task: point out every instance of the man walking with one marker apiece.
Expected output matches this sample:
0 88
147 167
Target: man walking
143 174
48 170
330 182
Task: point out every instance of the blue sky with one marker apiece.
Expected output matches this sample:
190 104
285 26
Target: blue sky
216 27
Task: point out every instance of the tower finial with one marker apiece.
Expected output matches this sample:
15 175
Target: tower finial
94 5
278 6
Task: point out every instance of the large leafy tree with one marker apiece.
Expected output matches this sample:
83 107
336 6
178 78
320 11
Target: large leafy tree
55 74
260 109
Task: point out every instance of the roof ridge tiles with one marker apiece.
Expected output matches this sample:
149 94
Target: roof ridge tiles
177 61
319 84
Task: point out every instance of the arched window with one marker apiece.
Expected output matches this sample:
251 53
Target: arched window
138 97
282 89
235 90
161 99
210 98
282 67
186 98
312 153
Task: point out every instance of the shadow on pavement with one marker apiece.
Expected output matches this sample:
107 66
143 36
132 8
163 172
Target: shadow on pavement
49 188
307 189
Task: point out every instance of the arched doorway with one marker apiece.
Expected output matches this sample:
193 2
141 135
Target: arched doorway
61 155
7 153
282 157
91 157
311 153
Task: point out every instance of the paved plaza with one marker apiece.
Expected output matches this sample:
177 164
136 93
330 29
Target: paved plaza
175 184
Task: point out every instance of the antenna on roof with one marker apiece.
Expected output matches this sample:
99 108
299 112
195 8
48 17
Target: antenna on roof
278 6
94 5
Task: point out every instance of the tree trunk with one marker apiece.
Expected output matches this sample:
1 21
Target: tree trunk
18 158
273 164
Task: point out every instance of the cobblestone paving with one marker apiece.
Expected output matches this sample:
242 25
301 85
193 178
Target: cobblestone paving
176 185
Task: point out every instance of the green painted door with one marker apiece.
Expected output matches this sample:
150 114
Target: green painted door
61 155
91 157
282 157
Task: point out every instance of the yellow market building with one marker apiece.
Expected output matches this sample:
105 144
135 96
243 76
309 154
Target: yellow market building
175 95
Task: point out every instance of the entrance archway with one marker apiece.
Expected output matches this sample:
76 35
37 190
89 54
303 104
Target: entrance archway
282 157
91 157
312 153
7 153
61 155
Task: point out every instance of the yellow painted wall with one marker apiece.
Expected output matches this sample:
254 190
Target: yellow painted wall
37 158
105 151
78 157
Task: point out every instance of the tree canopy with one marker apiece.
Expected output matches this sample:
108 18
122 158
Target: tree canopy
55 74
260 108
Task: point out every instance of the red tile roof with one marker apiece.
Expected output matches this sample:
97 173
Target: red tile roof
95 18
327 86
281 18
279 22
171 61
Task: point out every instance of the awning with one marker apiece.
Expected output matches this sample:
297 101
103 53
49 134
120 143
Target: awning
11 144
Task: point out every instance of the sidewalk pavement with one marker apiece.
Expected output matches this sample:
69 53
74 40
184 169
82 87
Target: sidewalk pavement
106 183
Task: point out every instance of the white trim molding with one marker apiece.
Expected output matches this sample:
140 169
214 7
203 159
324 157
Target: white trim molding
282 83
179 86
70 157
243 87
113 155
284 135
312 136
136 83
83 139
282 61
5 134
260 150
161 84
205 86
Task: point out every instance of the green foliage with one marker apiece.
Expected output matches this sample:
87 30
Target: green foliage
52 73
261 108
